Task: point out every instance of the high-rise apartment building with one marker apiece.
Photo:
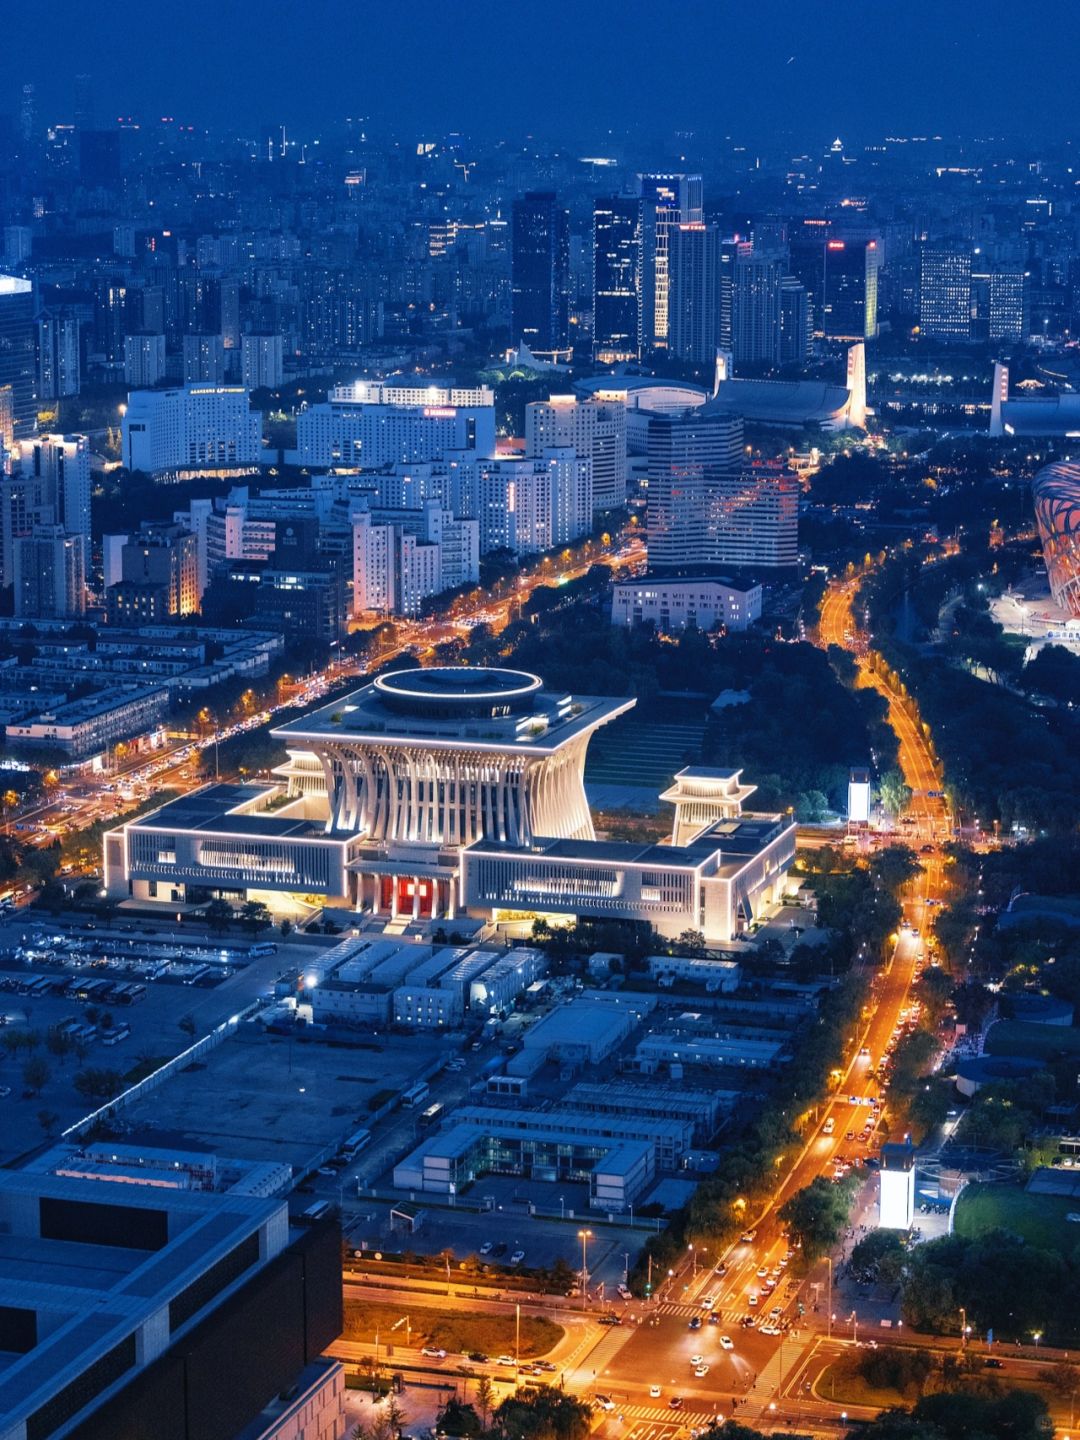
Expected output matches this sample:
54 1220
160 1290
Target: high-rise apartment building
531 505
667 200
18 352
596 431
144 360
540 274
796 327
694 299
262 361
617 278
945 292
204 360
50 574
62 463
165 558
58 366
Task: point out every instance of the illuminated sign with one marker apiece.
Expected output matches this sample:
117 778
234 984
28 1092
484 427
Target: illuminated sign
439 412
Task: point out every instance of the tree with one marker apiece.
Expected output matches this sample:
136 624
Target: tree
35 1073
218 915
457 1418
286 928
485 1397
48 1120
817 1215
98 1084
254 916
895 792
542 1414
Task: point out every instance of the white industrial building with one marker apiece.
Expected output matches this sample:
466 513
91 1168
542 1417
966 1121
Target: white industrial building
683 602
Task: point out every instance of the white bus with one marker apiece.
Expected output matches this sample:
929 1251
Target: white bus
416 1094
354 1144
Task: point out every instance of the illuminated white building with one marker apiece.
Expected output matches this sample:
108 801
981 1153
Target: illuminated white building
678 602
194 427
896 1204
595 429
529 506
372 424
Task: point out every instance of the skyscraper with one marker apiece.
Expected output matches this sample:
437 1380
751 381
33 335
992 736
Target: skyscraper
58 366
18 355
756 309
688 456
999 304
617 278
945 292
62 462
795 322
540 274
849 307
693 298
667 200
50 574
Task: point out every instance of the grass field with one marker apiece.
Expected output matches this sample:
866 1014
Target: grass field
843 1383
1037 1219
1020 1037
455 1331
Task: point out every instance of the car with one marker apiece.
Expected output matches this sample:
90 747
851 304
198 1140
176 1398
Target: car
609 1319
506 1360
433 1353
546 1366
850 1135
487 1247
748 1237
477 1357
763 1270
605 1402
768 1329
993 1363
776 1310
701 1371
517 1257
752 1299
695 1323
697 1359
726 1342
747 1322
714 1317
721 1269
654 1392
675 1403
625 1292
708 1302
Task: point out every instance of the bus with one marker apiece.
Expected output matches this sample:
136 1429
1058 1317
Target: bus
354 1144
416 1094
431 1114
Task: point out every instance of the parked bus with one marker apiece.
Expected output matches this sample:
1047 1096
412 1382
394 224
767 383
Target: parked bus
416 1094
431 1114
355 1143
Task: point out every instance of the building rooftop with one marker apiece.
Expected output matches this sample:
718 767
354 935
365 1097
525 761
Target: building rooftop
220 809
457 706
790 402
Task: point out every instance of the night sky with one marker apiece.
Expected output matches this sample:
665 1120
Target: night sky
565 69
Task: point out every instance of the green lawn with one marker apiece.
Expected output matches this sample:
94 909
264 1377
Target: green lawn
1038 1219
1020 1037
456 1331
843 1383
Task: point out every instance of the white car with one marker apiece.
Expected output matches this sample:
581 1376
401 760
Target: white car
654 1392
697 1360
701 1371
708 1302
726 1342
433 1353
605 1402
487 1247
517 1257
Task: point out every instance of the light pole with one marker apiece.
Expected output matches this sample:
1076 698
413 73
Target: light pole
854 1327
829 1259
517 1331
584 1236
963 1329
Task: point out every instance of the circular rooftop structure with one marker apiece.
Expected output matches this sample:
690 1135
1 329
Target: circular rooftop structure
459 691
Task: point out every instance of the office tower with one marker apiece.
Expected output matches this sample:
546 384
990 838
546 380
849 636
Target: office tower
850 285
540 274
262 365
945 292
806 260
62 463
18 244
616 279
693 294
756 309
164 557
18 352
372 424
84 102
49 574
596 431
204 360
1000 304
687 455
144 360
796 327
667 200
193 427
58 364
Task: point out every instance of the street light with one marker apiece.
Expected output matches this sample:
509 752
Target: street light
584 1236
829 1259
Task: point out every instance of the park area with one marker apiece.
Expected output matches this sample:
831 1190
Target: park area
455 1331
1039 1220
